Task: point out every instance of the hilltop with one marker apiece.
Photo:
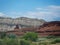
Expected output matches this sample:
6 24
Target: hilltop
9 23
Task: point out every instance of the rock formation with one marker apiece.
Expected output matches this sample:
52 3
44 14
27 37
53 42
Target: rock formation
7 23
49 28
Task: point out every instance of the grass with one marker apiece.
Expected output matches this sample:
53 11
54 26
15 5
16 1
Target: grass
49 40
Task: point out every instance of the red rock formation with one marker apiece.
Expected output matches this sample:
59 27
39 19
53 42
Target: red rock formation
19 32
49 28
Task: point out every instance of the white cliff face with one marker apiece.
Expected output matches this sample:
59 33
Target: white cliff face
9 23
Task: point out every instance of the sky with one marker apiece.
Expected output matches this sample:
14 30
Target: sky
48 10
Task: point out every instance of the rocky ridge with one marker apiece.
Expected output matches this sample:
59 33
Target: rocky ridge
7 23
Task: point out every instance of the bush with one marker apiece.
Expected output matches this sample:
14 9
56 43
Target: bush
12 42
53 42
24 42
1 42
11 36
57 40
2 35
30 36
50 36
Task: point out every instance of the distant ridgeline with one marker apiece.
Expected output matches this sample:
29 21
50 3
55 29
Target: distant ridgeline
7 23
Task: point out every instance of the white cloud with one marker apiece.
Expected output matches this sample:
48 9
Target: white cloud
39 9
2 14
14 14
54 7
48 13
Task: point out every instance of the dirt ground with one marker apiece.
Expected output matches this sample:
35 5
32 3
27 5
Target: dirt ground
56 44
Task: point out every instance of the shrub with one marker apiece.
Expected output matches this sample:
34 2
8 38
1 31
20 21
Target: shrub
30 36
12 42
53 42
1 42
50 36
57 40
24 42
11 36
2 35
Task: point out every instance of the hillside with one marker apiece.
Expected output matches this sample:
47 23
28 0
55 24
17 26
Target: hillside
50 28
7 23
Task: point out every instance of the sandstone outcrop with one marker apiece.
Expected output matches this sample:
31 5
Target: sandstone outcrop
49 28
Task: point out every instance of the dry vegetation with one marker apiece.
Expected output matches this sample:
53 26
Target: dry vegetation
27 40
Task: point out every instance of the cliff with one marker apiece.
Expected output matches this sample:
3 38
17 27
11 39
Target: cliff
7 23
49 28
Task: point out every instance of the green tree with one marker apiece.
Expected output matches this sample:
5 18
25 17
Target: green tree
2 34
31 36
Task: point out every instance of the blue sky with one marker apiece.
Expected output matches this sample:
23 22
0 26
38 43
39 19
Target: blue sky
48 10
